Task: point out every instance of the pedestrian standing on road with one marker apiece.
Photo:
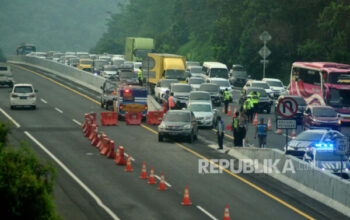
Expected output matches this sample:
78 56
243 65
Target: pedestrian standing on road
242 125
261 131
248 108
140 76
235 128
226 99
165 100
255 99
171 101
220 132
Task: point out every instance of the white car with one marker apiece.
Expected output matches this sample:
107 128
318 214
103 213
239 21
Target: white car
224 84
204 113
161 88
195 82
23 95
276 86
259 84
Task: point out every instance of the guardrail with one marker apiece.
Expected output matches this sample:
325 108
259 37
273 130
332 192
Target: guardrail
78 76
327 188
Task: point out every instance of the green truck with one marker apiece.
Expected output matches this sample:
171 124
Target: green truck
136 48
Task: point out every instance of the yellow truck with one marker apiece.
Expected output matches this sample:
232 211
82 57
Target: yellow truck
85 64
164 66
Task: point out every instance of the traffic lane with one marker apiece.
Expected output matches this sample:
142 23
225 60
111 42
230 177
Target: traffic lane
211 191
71 202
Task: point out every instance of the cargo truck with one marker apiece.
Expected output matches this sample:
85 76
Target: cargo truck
136 48
164 66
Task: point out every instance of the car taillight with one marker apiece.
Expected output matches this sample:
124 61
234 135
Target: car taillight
146 107
339 122
14 96
121 106
114 93
32 96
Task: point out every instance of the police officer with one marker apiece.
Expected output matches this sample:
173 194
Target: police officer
248 106
261 131
226 99
255 98
171 101
166 100
235 129
140 76
220 132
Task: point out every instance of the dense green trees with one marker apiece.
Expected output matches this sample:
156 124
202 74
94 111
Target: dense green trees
26 184
228 30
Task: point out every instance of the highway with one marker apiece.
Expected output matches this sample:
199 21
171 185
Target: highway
89 186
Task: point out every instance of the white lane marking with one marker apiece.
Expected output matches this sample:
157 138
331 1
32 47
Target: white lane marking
206 212
166 183
44 101
76 122
131 158
59 110
70 173
10 118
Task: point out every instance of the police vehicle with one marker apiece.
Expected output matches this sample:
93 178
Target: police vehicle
309 139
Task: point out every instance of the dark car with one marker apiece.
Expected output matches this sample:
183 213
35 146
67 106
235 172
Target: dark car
178 123
128 77
301 107
109 93
265 102
321 117
213 90
238 75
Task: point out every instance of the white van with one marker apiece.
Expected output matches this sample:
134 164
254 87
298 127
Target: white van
214 69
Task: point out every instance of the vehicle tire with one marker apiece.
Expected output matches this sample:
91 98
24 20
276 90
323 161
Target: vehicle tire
12 107
191 138
34 107
160 138
268 110
102 104
106 106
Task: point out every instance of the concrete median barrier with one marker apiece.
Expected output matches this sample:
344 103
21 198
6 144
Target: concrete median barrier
327 188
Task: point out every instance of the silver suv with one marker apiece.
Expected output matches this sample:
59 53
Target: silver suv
178 123
6 77
109 93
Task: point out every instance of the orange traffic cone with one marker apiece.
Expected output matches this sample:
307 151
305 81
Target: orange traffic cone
229 112
128 167
269 125
117 155
162 185
293 134
152 179
278 131
186 200
144 171
227 213
255 122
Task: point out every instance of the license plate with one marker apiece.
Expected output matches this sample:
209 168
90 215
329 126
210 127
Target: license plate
23 97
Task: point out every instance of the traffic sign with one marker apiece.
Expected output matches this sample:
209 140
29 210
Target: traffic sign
265 36
286 123
287 107
264 51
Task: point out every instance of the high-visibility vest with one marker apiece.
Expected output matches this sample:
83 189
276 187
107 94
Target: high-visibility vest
171 102
251 104
246 105
226 95
139 74
235 122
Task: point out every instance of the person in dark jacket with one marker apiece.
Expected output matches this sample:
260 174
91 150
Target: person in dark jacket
220 132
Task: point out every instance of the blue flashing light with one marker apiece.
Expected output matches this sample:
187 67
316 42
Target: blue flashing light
324 146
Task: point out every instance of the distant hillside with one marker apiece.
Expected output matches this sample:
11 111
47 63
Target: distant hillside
53 25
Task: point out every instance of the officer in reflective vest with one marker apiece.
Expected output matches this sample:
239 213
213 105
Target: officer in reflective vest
248 106
140 76
255 98
171 101
226 99
261 131
235 128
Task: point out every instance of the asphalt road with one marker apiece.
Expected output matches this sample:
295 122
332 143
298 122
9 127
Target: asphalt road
100 189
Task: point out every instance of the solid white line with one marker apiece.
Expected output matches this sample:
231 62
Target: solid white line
76 122
166 183
44 101
10 118
206 212
70 173
59 110
131 158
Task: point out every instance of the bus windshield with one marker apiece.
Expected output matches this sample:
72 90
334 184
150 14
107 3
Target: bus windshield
175 74
339 78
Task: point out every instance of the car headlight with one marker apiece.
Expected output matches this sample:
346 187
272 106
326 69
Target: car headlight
187 126
208 117
161 126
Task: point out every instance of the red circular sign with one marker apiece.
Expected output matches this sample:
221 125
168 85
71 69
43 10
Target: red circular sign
287 107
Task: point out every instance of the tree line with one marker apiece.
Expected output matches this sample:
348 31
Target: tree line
228 31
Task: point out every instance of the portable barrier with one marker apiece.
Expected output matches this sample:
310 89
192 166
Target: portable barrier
86 118
109 118
93 116
153 117
133 118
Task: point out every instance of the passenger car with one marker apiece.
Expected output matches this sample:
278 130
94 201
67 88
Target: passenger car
311 138
223 84
213 90
178 123
301 107
259 84
23 95
109 71
276 86
204 113
195 82
321 117
265 102
199 96
109 93
161 87
181 93
194 71
6 77
238 75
